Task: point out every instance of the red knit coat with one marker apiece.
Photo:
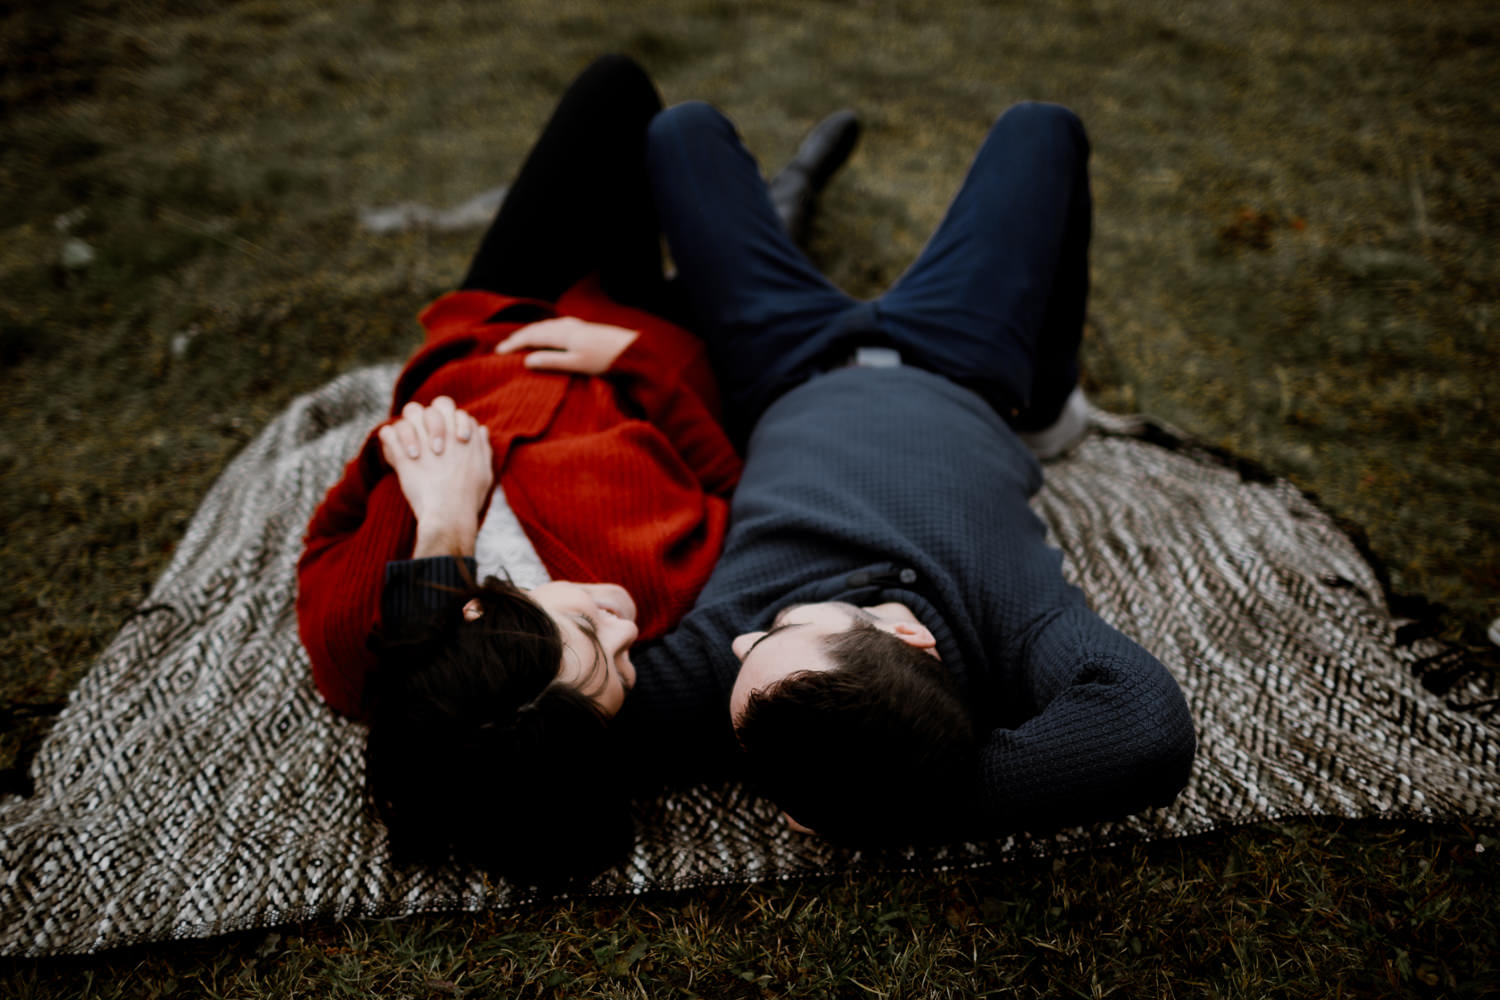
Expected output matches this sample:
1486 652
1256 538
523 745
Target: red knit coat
624 478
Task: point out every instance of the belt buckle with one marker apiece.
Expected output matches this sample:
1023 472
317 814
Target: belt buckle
875 357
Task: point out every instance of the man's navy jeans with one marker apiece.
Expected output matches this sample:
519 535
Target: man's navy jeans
995 301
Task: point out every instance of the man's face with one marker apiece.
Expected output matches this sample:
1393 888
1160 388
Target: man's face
797 641
597 622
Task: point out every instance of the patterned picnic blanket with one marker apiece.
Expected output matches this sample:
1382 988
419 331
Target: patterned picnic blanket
195 784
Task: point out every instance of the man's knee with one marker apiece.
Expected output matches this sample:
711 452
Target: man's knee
682 122
1044 119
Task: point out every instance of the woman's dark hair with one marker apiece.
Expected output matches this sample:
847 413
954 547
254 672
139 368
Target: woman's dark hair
877 750
476 752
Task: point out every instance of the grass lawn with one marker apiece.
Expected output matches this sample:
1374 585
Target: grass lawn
1296 215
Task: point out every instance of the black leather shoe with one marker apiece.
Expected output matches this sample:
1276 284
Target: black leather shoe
794 190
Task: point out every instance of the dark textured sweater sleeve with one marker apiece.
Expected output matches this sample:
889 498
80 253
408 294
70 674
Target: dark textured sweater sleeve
418 589
676 720
1113 734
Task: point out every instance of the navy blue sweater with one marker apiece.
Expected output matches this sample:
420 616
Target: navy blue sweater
870 485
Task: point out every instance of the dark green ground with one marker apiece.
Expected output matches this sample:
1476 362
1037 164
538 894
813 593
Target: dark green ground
1294 258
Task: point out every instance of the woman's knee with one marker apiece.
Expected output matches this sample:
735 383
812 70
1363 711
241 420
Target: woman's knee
618 83
619 70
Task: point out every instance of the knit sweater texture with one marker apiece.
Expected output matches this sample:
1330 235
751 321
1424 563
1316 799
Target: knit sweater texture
623 478
872 485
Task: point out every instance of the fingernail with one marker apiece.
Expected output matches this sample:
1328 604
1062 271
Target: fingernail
413 452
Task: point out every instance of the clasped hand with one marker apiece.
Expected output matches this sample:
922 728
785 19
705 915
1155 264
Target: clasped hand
441 456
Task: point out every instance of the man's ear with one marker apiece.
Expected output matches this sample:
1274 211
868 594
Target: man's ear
797 827
912 633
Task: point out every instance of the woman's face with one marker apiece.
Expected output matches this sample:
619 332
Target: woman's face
597 622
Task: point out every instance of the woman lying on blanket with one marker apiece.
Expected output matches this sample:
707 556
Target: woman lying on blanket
550 374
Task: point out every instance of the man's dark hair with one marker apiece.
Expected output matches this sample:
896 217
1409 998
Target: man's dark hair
879 749
477 752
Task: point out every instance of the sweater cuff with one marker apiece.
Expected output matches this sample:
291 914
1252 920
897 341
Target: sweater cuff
418 590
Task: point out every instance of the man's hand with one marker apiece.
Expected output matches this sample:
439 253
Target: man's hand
441 456
571 345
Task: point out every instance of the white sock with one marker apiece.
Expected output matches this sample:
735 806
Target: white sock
1050 442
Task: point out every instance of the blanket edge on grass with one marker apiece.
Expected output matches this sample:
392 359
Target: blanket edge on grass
195 784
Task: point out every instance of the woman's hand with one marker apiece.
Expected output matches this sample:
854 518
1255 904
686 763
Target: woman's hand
441 457
571 345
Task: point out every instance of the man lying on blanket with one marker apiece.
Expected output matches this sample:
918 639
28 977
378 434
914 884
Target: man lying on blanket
898 653
886 647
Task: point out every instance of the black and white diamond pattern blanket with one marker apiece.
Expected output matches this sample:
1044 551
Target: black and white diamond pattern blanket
195 784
